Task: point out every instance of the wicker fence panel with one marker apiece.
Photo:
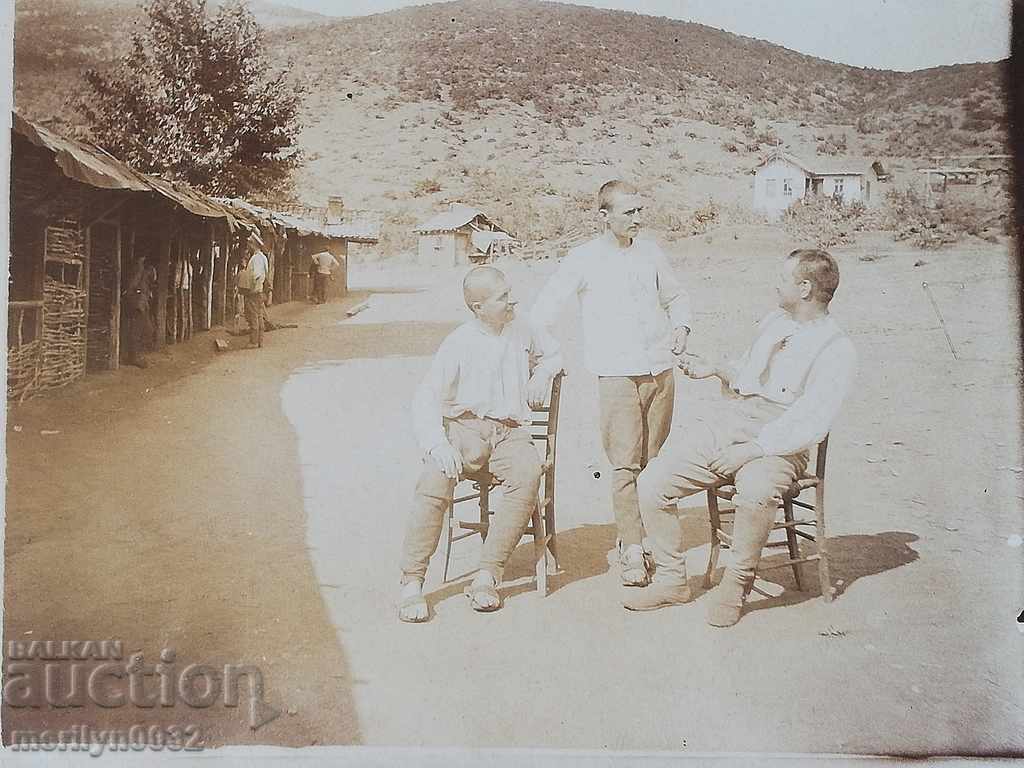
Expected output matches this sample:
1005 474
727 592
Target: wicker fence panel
63 358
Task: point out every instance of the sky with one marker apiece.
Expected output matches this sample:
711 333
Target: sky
882 34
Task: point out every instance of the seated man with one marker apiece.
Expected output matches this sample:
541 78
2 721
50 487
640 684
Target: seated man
781 398
471 411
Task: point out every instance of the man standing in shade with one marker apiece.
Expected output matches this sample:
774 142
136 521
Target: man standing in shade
251 282
323 263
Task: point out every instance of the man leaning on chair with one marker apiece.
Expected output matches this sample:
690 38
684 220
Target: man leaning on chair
779 400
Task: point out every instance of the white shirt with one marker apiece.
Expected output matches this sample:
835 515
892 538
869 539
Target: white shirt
806 367
481 373
630 303
255 272
324 261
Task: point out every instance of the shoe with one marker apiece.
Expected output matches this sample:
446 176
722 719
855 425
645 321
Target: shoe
725 602
637 566
660 593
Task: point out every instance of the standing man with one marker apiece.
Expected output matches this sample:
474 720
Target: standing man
323 263
251 282
781 398
635 316
137 298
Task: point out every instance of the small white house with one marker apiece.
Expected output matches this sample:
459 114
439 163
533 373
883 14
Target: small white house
782 179
460 235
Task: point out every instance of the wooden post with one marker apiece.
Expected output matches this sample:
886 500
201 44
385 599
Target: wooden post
206 254
85 285
222 271
162 274
115 305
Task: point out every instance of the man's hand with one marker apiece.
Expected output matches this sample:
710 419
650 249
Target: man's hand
697 367
735 456
679 340
537 390
447 459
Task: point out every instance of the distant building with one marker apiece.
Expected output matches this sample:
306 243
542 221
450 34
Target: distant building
460 235
782 179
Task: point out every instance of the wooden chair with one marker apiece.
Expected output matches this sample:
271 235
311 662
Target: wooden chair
544 431
795 527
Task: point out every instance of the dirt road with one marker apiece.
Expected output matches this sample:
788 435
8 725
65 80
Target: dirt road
252 510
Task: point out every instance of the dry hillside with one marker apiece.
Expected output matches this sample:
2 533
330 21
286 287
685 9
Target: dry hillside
524 107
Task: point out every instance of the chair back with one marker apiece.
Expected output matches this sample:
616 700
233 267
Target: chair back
820 459
544 424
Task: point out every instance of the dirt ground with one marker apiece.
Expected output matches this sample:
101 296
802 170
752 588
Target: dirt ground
248 507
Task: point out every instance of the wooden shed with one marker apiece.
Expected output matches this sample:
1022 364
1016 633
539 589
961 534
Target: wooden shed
448 238
79 218
296 238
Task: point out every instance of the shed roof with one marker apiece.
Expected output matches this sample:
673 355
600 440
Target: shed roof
456 217
91 165
482 240
357 231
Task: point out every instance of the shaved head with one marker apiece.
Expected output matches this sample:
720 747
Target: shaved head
481 283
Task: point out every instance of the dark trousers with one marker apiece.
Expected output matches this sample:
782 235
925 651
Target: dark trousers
320 287
139 330
254 316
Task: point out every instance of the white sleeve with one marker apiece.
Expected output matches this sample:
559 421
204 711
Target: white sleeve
566 281
433 391
673 297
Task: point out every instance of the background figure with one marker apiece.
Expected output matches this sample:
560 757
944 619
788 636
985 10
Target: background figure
251 283
137 297
323 263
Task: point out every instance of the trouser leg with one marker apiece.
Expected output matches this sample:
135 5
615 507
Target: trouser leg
759 488
516 464
679 470
431 499
622 434
657 401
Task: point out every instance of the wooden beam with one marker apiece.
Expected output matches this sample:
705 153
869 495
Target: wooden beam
163 269
115 304
107 211
206 254
86 262
222 271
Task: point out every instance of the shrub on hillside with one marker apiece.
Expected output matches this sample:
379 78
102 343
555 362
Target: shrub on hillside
425 187
825 221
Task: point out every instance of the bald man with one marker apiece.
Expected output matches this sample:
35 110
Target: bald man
472 410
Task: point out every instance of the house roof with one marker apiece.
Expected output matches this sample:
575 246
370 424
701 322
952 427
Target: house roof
821 169
456 217
90 165
482 240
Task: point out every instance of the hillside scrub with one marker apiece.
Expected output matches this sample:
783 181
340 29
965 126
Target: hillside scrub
977 212
827 221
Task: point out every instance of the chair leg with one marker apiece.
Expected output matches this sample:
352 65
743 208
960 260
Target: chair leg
485 509
549 519
824 577
716 543
449 524
540 549
792 543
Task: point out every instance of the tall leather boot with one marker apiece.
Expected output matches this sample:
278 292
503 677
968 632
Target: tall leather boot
750 533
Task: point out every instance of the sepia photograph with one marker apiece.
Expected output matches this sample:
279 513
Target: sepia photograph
587 382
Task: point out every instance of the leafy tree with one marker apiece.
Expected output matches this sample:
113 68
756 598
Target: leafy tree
195 99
